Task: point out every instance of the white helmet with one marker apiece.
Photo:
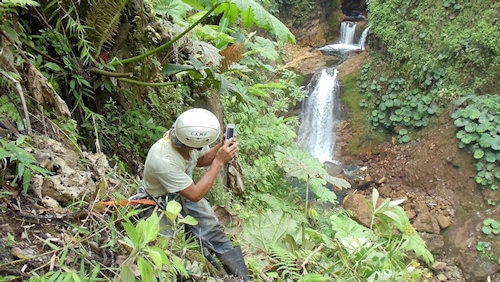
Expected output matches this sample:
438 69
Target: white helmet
196 128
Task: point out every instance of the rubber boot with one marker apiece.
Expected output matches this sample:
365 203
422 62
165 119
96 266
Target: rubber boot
234 264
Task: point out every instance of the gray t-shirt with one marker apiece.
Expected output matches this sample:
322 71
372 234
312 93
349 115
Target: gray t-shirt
166 171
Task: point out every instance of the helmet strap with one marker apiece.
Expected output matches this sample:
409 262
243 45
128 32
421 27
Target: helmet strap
174 140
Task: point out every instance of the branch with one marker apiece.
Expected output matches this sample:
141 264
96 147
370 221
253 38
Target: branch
308 258
167 44
154 84
19 90
36 50
111 74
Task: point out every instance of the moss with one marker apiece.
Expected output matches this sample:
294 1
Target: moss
364 138
301 80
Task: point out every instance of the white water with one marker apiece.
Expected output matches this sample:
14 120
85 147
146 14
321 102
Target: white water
319 113
364 36
347 31
321 109
347 36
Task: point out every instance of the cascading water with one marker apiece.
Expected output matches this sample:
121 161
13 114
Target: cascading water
347 31
364 36
321 109
346 42
317 131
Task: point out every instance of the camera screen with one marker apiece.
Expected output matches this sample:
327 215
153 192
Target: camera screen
229 133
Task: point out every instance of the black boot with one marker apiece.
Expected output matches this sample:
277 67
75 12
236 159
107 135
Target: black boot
234 264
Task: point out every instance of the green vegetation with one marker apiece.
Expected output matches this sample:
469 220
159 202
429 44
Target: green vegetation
419 72
433 57
125 71
13 153
490 228
394 108
477 119
423 64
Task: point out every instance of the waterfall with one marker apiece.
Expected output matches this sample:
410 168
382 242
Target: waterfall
362 39
347 31
321 108
346 42
319 114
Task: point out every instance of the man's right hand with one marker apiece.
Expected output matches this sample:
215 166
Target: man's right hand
228 150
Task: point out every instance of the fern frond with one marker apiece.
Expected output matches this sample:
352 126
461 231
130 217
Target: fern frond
103 19
286 261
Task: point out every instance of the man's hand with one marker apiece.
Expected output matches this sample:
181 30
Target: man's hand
227 151
224 154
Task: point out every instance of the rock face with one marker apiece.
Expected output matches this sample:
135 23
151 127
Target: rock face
307 61
71 181
309 21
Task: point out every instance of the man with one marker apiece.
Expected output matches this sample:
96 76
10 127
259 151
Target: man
168 175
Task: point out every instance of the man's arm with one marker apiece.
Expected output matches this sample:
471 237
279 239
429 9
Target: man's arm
209 157
225 153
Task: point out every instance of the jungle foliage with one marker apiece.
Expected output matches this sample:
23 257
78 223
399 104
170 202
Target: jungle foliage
111 75
427 56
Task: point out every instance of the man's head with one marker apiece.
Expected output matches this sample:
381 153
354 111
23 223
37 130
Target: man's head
196 128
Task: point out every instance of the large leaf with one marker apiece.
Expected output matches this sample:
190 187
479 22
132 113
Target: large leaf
170 69
351 234
251 13
269 228
264 19
322 193
265 48
301 165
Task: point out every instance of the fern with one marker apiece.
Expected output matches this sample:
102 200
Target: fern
286 262
294 263
103 19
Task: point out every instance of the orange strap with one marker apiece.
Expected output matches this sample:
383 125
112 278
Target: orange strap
127 203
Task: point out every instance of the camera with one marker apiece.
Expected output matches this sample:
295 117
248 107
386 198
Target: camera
230 129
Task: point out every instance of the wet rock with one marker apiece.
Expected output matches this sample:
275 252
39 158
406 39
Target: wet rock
333 169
